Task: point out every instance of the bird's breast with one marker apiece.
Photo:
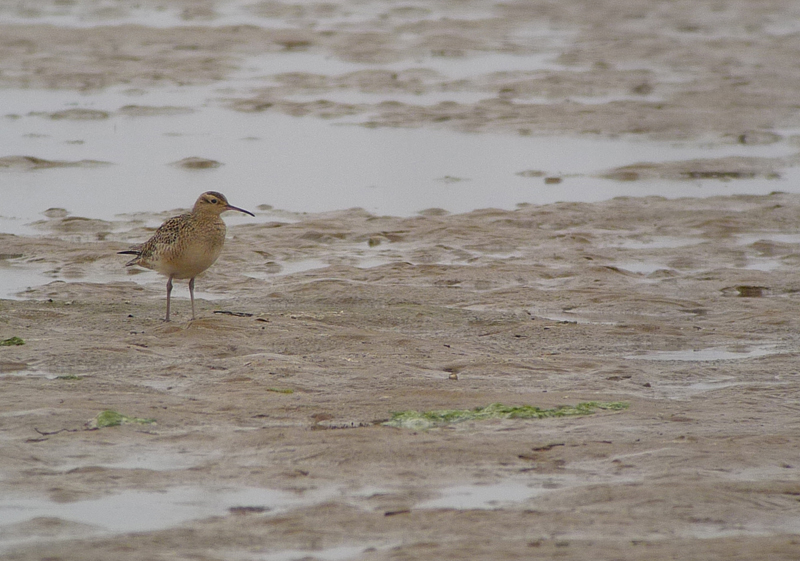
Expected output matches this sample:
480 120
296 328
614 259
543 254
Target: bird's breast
194 253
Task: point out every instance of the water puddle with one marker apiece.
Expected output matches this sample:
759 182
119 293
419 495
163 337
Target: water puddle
510 493
765 265
368 98
151 458
21 369
386 171
453 68
571 318
747 239
465 497
682 391
15 279
711 385
362 257
145 511
641 267
340 553
489 63
12 369
237 12
95 14
154 461
289 268
655 242
701 531
709 354
372 262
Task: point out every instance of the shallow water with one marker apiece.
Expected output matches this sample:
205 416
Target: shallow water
231 12
161 461
710 354
142 511
330 554
656 242
309 164
16 278
764 264
641 267
466 497
748 239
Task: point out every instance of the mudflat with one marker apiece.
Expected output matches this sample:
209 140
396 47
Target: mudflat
268 428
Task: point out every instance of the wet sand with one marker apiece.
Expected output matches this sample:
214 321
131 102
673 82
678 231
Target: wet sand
268 439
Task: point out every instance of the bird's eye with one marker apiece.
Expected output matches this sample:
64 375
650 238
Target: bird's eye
214 201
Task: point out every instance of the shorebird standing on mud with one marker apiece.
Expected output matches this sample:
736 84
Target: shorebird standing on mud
184 246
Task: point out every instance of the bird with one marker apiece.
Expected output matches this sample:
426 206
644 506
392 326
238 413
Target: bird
186 245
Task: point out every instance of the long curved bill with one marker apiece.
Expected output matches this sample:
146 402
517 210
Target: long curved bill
231 207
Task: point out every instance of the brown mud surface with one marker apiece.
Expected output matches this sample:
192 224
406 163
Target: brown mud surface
312 331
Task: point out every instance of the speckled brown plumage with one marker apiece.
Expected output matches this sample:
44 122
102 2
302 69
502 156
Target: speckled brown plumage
186 245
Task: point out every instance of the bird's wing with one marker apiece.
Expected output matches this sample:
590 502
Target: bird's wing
166 234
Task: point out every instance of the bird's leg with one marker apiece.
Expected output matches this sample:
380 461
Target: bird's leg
169 291
191 294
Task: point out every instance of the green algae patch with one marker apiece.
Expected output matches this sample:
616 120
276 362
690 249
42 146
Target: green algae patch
429 419
281 390
12 342
111 418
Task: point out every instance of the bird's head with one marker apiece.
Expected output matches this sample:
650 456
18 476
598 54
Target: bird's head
215 203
